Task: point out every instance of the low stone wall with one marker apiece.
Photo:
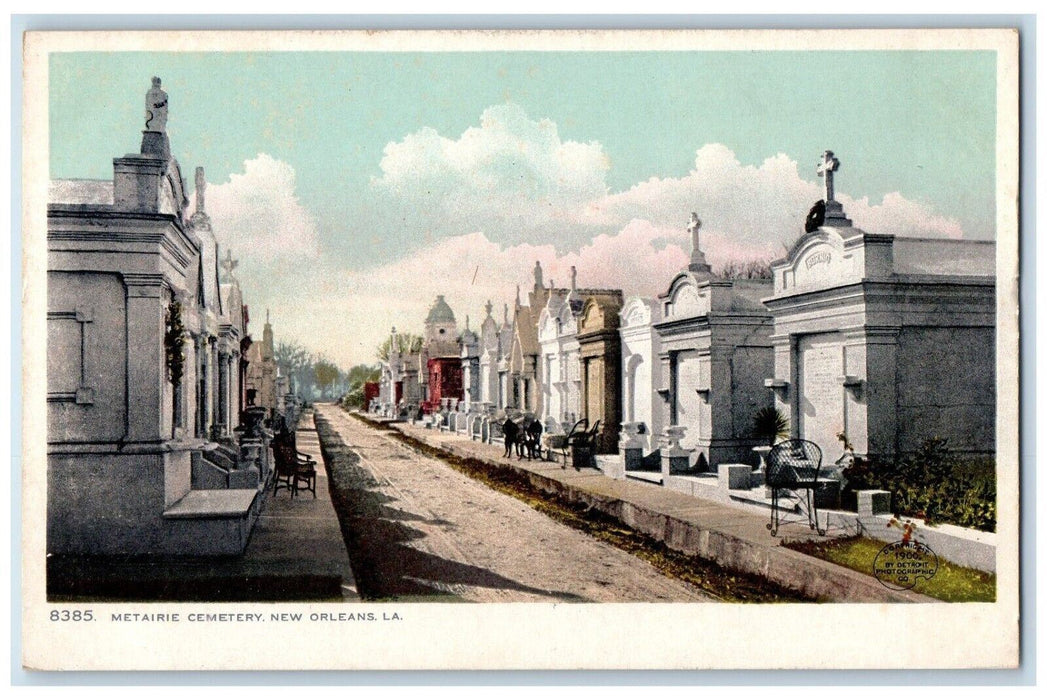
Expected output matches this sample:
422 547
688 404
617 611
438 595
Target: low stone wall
810 576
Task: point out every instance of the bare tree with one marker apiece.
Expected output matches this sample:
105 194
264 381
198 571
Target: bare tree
745 270
409 343
295 362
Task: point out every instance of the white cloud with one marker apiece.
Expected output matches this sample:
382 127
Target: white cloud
511 177
257 215
902 217
754 208
468 217
357 309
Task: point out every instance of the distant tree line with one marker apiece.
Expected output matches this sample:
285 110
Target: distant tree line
745 270
311 376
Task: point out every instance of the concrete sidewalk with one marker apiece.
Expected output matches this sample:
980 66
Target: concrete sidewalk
301 536
733 537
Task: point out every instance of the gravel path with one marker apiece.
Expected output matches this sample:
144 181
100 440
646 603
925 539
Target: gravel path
418 529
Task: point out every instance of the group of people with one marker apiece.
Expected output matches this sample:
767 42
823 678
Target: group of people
524 436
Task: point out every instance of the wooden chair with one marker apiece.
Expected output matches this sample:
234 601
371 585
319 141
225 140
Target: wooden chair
793 466
563 442
294 470
582 446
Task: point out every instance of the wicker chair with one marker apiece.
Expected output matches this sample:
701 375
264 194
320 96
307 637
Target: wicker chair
794 466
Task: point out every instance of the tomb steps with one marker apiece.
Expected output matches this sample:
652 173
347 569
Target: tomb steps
757 497
222 456
215 469
208 474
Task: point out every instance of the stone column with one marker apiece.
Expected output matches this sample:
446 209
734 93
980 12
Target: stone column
871 402
216 384
223 392
146 365
583 398
198 386
207 391
785 349
235 391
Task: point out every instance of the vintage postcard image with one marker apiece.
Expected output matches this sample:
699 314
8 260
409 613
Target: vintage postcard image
522 350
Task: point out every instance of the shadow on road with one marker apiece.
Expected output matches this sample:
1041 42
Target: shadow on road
378 538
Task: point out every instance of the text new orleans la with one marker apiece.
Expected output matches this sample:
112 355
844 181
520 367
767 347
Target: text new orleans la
211 617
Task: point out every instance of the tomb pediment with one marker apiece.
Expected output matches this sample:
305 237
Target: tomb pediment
567 323
636 313
685 299
827 257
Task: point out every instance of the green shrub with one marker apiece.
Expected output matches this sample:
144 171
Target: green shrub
933 484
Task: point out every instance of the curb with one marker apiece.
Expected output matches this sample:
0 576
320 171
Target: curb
808 575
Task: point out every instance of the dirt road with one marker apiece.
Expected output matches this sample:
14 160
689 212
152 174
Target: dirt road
417 529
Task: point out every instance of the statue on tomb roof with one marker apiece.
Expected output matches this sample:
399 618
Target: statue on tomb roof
156 108
833 209
201 185
693 226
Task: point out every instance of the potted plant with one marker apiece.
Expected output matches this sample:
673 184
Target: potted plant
771 426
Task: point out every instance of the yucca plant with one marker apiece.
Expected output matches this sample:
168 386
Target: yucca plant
771 425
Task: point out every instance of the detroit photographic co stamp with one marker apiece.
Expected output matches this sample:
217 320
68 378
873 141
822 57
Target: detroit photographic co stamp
900 565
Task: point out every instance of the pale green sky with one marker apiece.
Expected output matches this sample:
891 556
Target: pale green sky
920 123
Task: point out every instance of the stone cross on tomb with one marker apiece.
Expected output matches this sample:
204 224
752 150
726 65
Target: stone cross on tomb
228 264
692 227
826 168
698 263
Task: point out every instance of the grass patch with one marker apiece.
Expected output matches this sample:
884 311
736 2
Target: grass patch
952 583
709 577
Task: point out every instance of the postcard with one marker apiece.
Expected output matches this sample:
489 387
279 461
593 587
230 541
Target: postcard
477 350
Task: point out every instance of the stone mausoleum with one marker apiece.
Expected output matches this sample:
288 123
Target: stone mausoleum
885 340
442 356
144 366
714 339
641 350
600 354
